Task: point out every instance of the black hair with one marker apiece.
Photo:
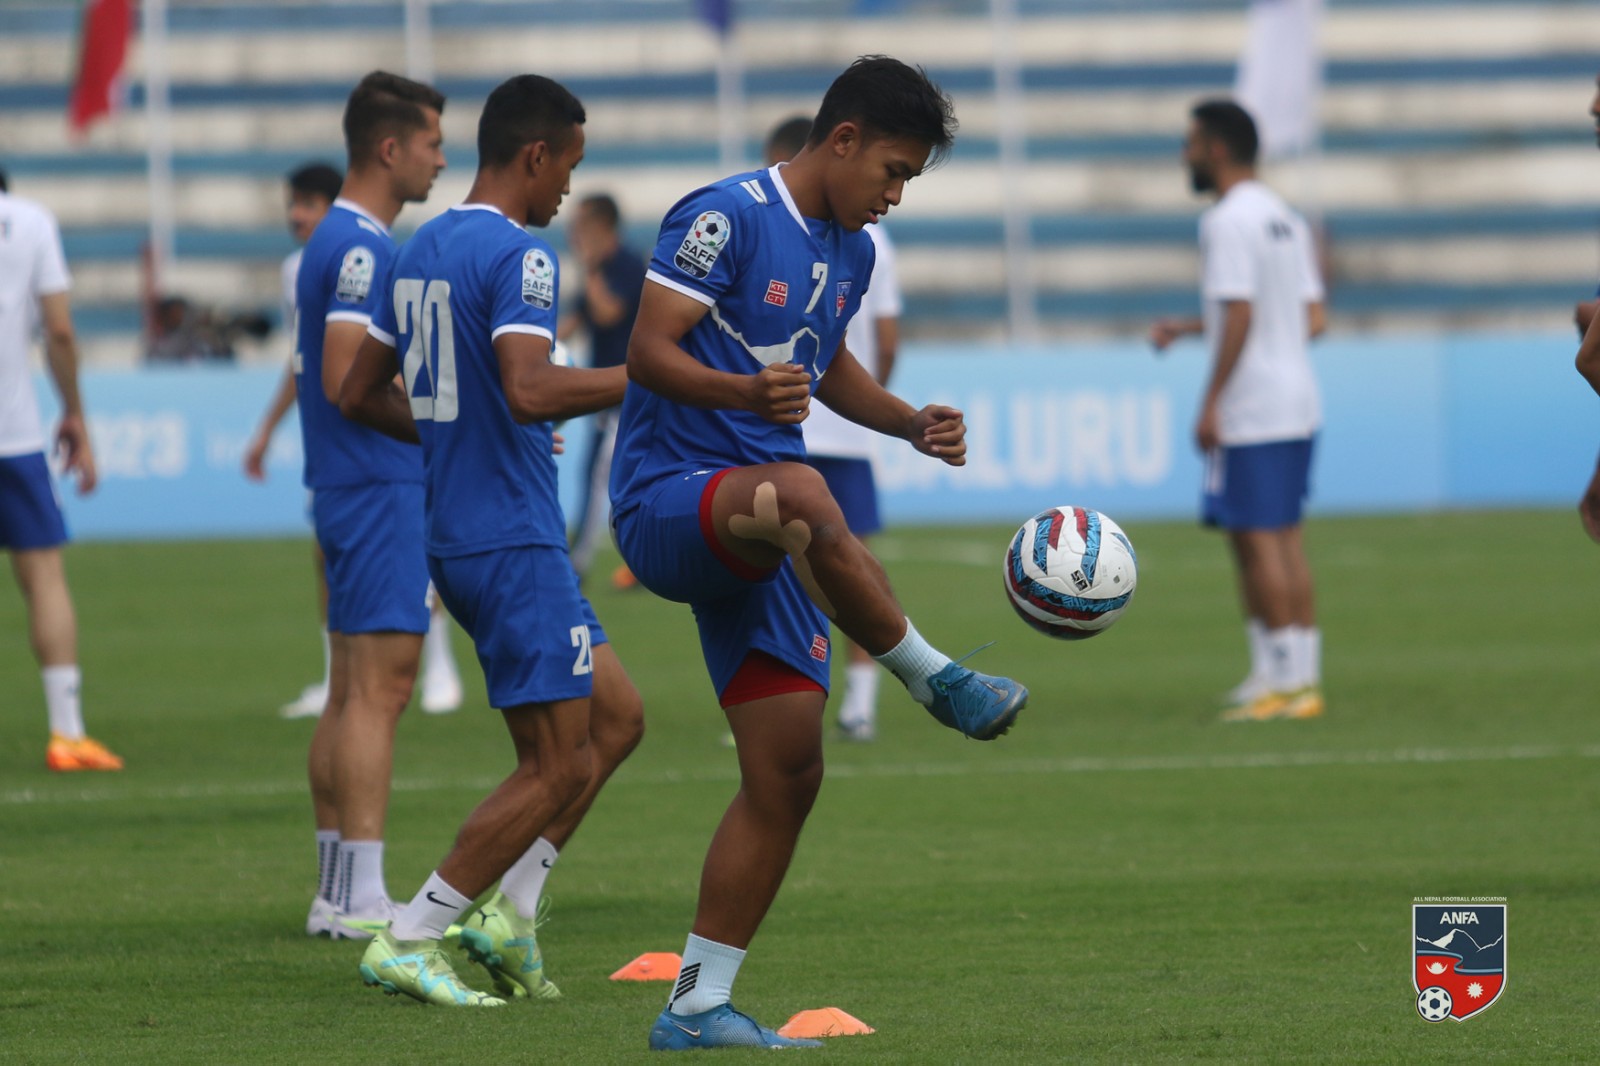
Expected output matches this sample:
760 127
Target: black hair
890 100
788 137
1231 124
385 105
603 207
317 179
523 110
5 184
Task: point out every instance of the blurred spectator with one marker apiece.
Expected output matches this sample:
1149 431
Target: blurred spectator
183 333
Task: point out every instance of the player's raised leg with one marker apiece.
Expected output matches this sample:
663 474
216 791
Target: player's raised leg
762 514
779 741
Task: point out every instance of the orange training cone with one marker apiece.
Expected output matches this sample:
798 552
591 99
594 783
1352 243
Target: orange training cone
651 966
824 1021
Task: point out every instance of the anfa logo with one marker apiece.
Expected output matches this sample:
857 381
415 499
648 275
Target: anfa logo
702 244
1460 958
539 279
355 275
841 297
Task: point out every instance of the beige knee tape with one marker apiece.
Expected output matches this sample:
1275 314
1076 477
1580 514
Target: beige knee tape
794 538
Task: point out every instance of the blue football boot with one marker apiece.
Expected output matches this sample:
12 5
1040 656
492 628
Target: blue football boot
974 704
718 1027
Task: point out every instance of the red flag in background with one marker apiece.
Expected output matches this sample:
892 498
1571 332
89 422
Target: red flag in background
107 25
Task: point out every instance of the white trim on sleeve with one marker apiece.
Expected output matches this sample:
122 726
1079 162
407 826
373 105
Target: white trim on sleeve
518 327
693 294
381 335
359 317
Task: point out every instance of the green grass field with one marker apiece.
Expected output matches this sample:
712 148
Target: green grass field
1120 880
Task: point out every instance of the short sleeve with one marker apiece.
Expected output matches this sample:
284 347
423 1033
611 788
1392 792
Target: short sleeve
1229 266
385 326
50 262
523 288
359 286
697 251
883 294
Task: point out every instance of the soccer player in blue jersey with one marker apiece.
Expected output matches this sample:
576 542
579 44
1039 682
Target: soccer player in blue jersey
468 323
752 284
367 499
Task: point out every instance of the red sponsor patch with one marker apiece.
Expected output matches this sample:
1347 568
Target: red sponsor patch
777 293
819 648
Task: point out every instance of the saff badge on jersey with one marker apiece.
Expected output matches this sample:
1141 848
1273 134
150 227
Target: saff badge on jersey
841 297
702 244
538 279
1460 953
355 275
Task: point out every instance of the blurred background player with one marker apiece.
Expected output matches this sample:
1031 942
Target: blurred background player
613 275
1589 367
480 396
33 290
367 498
312 190
749 291
1262 298
841 451
1584 313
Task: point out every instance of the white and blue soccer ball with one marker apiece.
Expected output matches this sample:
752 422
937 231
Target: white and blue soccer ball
1433 1004
1070 572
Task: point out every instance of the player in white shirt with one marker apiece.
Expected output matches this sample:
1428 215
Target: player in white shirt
1262 300
312 189
840 450
33 291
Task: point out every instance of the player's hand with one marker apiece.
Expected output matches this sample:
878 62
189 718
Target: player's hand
72 444
781 393
1164 332
1206 434
558 444
255 458
1589 509
941 432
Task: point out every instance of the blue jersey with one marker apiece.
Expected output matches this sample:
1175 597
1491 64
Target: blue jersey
340 280
465 278
781 288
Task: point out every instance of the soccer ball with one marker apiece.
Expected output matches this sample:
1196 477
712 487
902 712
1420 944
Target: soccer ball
1434 1004
1070 572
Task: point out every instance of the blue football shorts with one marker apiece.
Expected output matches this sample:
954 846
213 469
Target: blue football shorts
669 543
371 537
850 482
533 630
1257 486
30 511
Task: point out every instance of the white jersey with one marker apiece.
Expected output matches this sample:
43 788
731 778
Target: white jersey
827 433
31 265
1254 247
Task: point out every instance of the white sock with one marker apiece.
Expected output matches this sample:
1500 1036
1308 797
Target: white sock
860 693
361 871
1256 633
327 658
1280 659
61 699
525 880
431 911
327 863
706 979
1310 638
437 659
914 661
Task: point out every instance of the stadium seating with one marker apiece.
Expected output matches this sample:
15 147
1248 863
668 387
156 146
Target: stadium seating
1457 185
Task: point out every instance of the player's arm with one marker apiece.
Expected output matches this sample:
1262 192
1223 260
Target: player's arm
1588 361
1589 506
539 391
1316 318
657 361
255 453
849 391
341 339
370 394
1235 331
61 352
1583 315
887 329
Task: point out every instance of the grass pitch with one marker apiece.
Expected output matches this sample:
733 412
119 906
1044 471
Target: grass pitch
1122 879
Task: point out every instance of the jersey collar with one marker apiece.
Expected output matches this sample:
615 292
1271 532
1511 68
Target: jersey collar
356 209
493 210
788 201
